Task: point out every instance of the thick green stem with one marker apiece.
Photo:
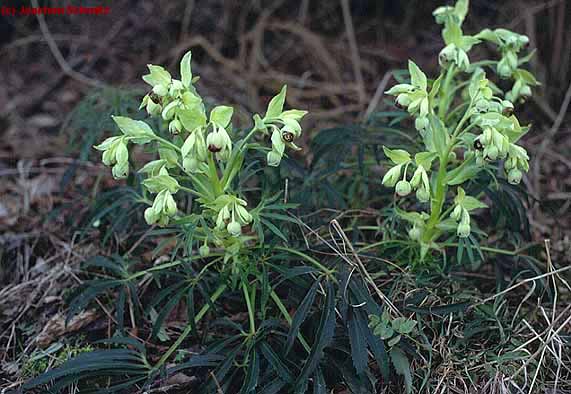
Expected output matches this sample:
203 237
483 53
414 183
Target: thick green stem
441 187
437 203
188 328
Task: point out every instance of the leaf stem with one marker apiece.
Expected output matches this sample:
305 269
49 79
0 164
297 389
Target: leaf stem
191 191
188 328
167 143
288 318
247 137
310 259
251 315
441 186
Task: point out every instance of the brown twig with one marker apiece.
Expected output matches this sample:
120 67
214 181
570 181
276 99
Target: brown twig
355 57
549 139
64 65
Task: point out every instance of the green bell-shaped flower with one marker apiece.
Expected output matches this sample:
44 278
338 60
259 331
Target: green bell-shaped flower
234 228
403 188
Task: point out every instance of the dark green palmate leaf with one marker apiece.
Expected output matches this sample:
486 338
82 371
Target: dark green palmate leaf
402 366
275 361
127 365
323 337
376 345
356 329
300 315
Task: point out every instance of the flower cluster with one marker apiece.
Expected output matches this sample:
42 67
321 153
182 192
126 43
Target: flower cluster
414 96
457 44
283 126
467 124
500 129
197 155
419 181
115 150
463 205
230 213
174 100
510 44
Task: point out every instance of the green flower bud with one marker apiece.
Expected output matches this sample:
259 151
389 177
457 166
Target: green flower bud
160 90
170 205
514 176
392 176
120 170
414 233
153 109
108 157
504 70
214 141
465 219
511 59
190 164
456 213
219 142
463 230
400 88
486 138
525 91
234 228
421 123
204 250
482 105
403 100
447 55
522 40
416 177
495 107
491 152
452 156
507 108
273 158
150 216
243 215
163 220
423 195
403 188
462 60
168 111
175 126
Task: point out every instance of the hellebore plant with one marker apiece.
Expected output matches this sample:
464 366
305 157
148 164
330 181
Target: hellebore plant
466 123
199 157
